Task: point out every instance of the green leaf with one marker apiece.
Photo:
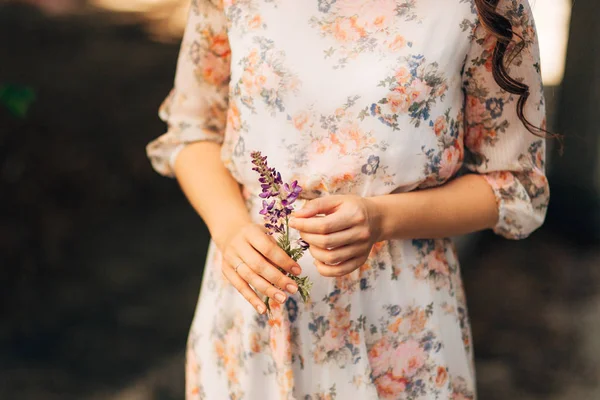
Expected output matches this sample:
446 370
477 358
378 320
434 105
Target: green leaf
17 99
296 253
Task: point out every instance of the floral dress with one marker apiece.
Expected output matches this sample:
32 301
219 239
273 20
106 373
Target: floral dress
366 97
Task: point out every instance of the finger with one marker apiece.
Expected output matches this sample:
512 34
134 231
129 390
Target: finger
336 239
242 286
320 205
267 246
342 269
323 225
338 255
260 284
266 270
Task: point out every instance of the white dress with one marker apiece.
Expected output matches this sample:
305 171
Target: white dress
364 97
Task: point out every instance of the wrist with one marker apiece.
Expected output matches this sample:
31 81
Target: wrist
393 215
376 213
223 230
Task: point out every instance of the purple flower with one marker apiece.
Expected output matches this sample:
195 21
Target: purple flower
291 193
278 198
303 244
267 207
272 187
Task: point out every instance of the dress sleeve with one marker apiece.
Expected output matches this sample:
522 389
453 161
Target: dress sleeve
498 145
196 107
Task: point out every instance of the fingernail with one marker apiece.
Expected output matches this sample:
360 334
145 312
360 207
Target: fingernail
296 270
280 297
292 288
261 309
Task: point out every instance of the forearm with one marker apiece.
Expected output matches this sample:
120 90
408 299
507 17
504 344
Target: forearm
463 205
211 190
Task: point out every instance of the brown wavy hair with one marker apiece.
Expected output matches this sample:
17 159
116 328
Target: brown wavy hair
501 28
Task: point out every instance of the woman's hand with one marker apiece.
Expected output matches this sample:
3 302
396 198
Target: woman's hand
340 241
250 257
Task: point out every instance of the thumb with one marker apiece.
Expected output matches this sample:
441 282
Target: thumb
320 205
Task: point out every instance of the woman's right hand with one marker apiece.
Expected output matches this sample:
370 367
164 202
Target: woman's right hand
250 258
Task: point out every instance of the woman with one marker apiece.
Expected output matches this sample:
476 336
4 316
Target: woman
373 106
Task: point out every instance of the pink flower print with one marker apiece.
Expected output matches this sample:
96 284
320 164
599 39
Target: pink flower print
419 91
213 69
449 162
489 65
389 386
345 30
233 117
376 14
475 109
418 320
255 342
436 262
502 179
340 318
354 338
489 42
300 119
293 83
394 326
352 134
398 43
267 78
345 283
441 126
408 358
460 390
319 354
475 136
379 14
279 336
333 340
441 376
399 100
219 45
249 82
530 32
319 146
539 159
253 58
403 76
379 356
538 180
255 22
441 90
231 344
420 271
285 380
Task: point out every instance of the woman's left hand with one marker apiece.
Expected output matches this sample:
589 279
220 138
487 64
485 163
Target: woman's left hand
341 240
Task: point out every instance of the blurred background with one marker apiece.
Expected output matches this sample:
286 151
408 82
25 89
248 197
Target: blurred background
101 259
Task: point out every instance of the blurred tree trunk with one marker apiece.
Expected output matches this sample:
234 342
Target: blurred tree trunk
574 207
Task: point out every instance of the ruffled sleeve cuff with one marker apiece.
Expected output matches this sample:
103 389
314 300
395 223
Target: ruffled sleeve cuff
164 150
518 217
